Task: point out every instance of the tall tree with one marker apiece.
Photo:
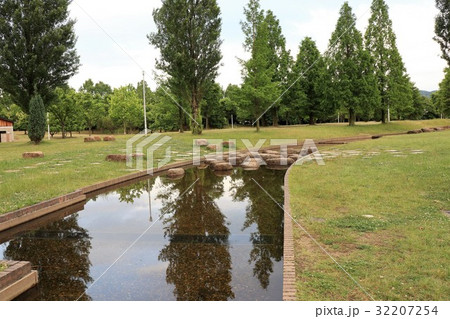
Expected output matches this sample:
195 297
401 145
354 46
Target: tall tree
442 28
442 99
188 37
352 74
38 121
254 15
280 59
310 70
37 48
258 90
380 42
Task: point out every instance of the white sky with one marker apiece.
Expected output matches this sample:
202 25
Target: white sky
128 23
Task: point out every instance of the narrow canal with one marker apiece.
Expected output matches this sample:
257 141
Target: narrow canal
213 238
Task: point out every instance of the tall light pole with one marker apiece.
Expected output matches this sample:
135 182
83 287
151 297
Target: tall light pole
145 106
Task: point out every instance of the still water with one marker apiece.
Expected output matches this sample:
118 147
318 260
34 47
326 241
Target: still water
219 239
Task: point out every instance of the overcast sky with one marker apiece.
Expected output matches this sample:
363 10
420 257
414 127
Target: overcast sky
127 24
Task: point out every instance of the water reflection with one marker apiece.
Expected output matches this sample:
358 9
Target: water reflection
198 250
262 211
217 238
60 252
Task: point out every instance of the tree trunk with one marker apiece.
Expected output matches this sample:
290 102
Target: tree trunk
312 120
63 131
383 116
258 128
207 123
181 120
196 125
275 118
91 131
352 117
124 129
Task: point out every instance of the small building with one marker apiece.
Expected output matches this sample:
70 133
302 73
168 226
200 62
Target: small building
6 130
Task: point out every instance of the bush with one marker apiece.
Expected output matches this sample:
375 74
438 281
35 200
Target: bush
37 121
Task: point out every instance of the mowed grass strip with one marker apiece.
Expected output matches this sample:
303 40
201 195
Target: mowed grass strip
71 164
381 209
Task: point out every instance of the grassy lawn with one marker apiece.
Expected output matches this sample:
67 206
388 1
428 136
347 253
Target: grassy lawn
71 164
381 209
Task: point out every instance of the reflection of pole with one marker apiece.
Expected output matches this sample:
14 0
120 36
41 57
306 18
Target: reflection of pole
150 201
48 126
145 106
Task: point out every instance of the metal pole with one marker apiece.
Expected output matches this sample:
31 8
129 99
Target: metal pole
389 114
145 106
48 127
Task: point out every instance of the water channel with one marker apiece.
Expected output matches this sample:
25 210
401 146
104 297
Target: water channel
211 238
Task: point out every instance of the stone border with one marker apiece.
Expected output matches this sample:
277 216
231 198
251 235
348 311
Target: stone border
23 215
289 286
16 279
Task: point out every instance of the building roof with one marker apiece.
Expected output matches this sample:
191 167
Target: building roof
6 120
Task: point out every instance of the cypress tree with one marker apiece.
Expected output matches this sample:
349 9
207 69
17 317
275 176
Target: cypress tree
310 67
258 90
37 120
392 80
353 83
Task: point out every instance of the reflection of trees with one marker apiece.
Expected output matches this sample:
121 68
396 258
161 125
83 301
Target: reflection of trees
266 215
60 251
198 252
129 194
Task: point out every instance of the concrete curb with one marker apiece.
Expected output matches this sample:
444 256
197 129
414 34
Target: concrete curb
16 279
289 287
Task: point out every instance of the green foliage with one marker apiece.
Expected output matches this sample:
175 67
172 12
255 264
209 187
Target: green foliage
13 112
353 86
230 102
392 80
126 109
66 111
258 90
254 15
164 113
441 99
442 28
38 121
37 48
279 59
308 91
188 37
212 110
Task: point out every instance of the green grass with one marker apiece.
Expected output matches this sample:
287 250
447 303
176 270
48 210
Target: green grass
381 214
71 164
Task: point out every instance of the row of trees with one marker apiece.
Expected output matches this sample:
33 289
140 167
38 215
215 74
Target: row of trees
359 77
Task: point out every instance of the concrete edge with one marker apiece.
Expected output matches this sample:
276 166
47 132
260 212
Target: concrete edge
289 286
16 279
19 287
